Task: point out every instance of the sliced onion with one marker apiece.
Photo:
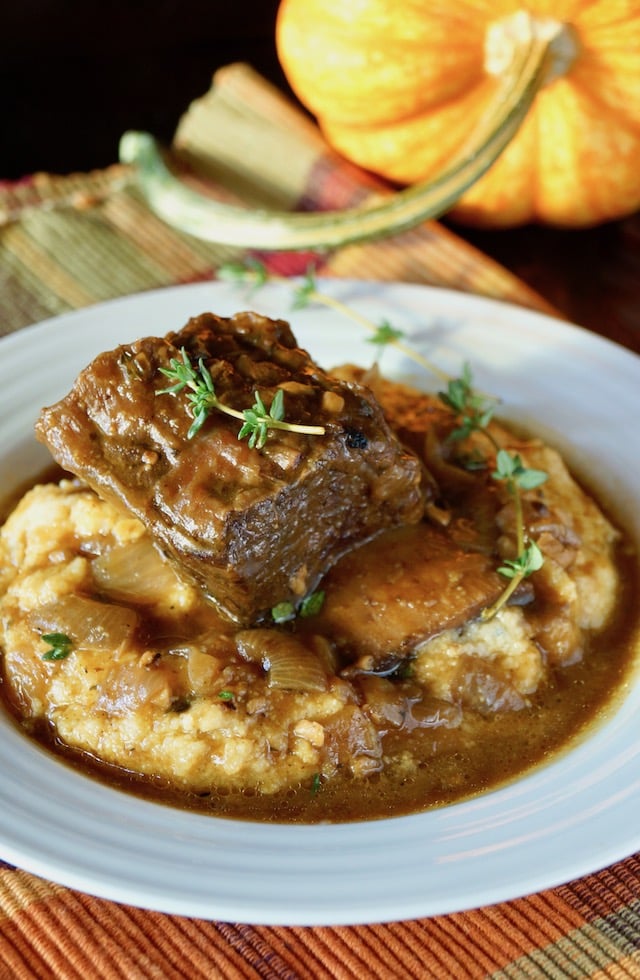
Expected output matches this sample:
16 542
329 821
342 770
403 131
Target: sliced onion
203 670
354 741
134 572
129 686
87 622
291 665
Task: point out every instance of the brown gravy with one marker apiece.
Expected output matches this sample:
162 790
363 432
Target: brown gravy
484 753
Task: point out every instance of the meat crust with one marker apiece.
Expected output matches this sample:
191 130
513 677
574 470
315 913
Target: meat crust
254 528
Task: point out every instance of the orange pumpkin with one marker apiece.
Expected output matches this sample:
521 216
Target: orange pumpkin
396 86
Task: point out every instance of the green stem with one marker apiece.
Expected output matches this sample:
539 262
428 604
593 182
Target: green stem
519 519
408 351
519 81
503 598
310 430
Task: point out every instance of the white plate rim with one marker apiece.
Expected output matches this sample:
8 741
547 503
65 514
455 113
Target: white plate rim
569 818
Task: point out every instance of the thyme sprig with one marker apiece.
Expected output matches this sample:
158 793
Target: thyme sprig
473 409
202 398
254 273
529 560
516 477
474 413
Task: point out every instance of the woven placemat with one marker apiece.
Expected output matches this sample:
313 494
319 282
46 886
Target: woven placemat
590 928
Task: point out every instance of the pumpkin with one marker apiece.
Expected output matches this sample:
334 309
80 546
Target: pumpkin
395 86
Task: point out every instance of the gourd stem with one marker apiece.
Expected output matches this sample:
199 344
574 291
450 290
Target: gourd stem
380 214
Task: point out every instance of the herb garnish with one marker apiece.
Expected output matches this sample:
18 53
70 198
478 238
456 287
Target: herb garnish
60 646
385 334
283 612
474 410
474 413
256 421
311 605
254 273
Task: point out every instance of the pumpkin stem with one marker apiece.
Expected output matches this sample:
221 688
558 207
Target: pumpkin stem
381 213
505 36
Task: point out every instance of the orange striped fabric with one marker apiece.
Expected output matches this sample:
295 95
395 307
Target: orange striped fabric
66 242
589 928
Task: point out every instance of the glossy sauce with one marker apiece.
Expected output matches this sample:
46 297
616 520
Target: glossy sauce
484 752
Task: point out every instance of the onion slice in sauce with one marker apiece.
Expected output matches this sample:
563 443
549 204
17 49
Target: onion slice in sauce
87 622
135 572
291 665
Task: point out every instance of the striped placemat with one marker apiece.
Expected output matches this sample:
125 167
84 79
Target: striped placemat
73 240
590 928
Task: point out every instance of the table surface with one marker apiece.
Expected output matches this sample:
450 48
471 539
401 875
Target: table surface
113 246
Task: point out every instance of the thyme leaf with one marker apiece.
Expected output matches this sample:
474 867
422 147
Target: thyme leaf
258 421
474 411
60 646
251 271
511 469
306 293
385 334
283 612
528 561
311 605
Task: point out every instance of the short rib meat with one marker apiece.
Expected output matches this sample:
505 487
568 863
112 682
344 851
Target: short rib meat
253 527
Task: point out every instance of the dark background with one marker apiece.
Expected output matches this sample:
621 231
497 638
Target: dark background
75 75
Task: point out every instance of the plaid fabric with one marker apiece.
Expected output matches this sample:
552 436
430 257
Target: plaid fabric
66 242
590 928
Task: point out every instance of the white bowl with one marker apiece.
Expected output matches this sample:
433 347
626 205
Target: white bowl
573 816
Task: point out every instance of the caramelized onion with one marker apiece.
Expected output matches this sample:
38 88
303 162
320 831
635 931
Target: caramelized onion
353 741
203 670
129 686
405 707
482 687
87 622
291 665
135 572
